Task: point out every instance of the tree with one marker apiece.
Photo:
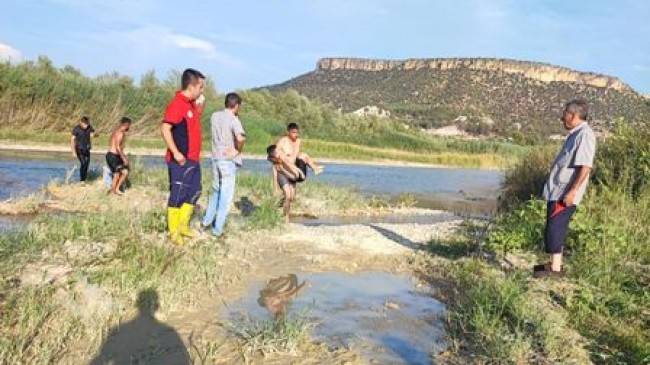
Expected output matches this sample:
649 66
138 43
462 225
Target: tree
149 82
43 63
173 80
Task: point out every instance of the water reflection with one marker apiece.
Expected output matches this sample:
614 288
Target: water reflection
382 316
277 294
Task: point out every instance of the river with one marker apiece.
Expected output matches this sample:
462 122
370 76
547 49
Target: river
459 190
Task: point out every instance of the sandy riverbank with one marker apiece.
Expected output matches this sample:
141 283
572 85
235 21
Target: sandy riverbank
44 148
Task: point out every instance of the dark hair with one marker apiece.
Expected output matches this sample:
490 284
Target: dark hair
232 99
292 125
270 150
190 77
84 119
125 120
579 107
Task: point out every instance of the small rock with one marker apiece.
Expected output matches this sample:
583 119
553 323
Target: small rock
391 305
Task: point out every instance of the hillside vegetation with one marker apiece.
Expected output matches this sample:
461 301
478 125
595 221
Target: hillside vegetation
36 97
493 98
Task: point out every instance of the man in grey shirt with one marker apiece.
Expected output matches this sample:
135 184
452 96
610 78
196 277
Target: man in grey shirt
566 184
228 138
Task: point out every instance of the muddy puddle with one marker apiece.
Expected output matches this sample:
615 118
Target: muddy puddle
383 317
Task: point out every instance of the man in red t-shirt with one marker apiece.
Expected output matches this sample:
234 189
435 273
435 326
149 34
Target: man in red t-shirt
181 130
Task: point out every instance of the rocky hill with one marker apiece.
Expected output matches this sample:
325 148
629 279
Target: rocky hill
493 95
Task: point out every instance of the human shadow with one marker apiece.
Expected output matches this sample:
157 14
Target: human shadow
396 237
245 206
449 250
143 340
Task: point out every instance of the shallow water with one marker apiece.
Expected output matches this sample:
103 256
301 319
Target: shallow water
13 223
382 316
462 191
23 173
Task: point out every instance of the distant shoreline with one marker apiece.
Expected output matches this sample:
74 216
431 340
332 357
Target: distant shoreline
138 151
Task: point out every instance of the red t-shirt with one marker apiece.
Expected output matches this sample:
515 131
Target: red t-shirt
185 119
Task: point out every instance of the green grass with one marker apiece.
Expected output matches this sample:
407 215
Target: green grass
599 312
120 254
270 336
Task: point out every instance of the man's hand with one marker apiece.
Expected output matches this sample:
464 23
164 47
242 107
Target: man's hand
569 198
179 158
74 154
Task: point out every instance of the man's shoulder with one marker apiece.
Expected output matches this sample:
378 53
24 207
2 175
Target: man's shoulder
177 102
586 132
222 114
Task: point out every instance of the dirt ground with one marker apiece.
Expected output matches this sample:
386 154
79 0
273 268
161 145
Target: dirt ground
258 256
350 249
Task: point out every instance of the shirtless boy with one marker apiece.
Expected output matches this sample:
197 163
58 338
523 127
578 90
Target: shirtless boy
115 157
289 166
288 148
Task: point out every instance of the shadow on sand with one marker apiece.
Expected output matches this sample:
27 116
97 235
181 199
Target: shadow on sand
143 340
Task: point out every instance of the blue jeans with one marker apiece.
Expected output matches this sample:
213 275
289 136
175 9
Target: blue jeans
224 173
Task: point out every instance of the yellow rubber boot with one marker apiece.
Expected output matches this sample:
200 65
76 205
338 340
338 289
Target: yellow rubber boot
173 222
186 215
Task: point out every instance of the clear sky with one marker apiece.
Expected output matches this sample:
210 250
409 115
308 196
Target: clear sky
247 43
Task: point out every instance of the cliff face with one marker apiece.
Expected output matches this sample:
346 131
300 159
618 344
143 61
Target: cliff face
532 70
432 93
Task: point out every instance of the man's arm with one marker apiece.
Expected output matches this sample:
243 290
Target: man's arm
239 142
584 158
274 176
166 131
583 174
72 141
119 140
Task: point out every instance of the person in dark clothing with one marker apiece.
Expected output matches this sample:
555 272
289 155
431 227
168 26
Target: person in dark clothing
80 144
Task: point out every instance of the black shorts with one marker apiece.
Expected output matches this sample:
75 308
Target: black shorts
557 224
284 180
115 162
303 167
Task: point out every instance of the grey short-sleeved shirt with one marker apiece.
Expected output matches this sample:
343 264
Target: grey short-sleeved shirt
225 126
578 150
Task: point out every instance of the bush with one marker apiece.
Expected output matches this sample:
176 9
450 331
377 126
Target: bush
526 179
521 229
624 160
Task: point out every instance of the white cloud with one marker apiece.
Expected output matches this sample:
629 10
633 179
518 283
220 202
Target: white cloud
150 41
189 42
9 53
